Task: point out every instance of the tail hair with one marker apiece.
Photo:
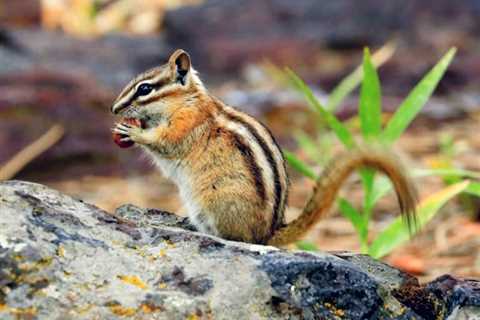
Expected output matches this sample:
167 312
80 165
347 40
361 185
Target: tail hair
331 180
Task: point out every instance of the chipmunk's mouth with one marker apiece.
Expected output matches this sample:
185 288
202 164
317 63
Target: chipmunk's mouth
127 111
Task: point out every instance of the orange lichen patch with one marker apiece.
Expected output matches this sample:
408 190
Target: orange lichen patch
170 244
133 280
148 308
35 265
18 257
122 311
339 312
336 312
27 313
161 254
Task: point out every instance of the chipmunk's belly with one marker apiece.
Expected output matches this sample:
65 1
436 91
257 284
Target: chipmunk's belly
173 170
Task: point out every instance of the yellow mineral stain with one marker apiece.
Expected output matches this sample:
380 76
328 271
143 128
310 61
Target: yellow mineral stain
30 311
170 244
122 311
147 308
193 317
83 309
337 312
142 252
18 257
133 280
162 285
161 253
61 251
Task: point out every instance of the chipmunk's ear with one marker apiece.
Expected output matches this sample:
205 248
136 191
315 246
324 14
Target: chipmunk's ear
180 64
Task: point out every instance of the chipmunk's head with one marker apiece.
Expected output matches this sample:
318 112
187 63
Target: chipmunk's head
154 91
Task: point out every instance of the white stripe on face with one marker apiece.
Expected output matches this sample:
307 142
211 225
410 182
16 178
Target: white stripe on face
127 96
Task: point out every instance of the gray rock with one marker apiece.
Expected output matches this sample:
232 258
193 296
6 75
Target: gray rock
61 258
109 61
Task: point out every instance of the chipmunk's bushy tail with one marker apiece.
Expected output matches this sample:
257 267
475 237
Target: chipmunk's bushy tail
330 182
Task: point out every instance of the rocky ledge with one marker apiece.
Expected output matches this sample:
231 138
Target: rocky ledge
61 258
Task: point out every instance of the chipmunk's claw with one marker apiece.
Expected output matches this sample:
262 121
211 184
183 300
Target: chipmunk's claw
123 129
126 139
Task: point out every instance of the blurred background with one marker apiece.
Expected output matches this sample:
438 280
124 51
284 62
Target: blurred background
62 62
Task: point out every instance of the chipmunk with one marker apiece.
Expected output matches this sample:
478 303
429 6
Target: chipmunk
229 170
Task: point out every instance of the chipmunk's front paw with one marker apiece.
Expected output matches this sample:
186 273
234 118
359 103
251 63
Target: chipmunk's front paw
131 133
126 131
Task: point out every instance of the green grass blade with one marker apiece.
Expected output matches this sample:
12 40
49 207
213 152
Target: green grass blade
340 130
306 245
383 186
351 82
398 232
349 212
417 98
370 109
368 179
309 146
299 165
473 189
358 221
447 172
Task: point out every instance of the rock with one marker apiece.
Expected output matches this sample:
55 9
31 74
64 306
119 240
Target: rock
227 34
20 13
62 258
324 41
111 61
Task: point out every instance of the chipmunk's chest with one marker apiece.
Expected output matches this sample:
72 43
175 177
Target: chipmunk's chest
173 170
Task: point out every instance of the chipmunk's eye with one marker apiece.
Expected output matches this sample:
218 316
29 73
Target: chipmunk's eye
144 89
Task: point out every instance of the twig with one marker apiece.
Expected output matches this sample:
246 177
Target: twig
30 152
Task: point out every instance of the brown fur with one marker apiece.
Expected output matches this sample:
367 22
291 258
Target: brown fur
229 190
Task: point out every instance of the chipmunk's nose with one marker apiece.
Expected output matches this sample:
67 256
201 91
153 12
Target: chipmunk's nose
116 108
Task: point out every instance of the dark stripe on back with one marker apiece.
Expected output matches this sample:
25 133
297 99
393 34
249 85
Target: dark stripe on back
268 154
284 170
251 162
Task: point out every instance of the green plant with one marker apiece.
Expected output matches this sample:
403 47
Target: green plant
372 131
